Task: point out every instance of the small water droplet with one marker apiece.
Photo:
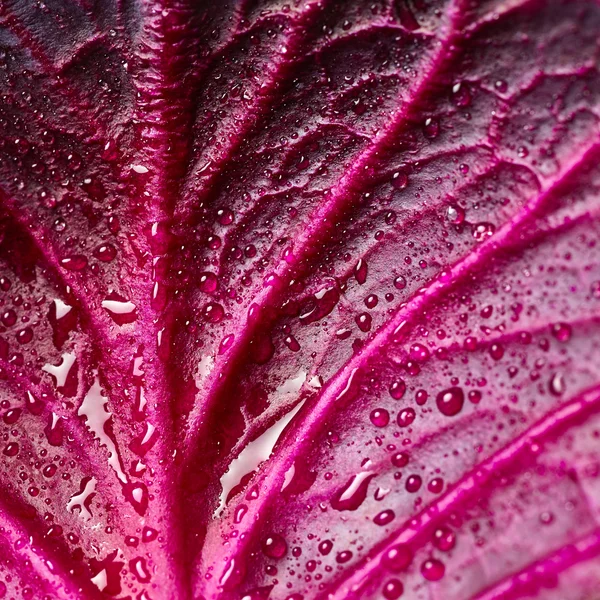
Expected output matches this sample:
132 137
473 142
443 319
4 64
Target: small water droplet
455 214
436 485
444 539
431 128
384 517
557 384
399 180
561 331
482 231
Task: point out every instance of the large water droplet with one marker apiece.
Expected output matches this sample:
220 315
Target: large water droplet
274 546
450 401
380 417
406 417
392 589
397 558
433 569
353 494
360 271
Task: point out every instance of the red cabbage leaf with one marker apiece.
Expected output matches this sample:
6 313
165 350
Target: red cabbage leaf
300 299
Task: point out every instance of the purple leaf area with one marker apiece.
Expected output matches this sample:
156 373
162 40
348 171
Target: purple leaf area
299 299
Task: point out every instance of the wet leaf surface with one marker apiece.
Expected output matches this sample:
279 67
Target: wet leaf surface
299 299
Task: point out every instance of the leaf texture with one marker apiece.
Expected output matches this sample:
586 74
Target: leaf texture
299 299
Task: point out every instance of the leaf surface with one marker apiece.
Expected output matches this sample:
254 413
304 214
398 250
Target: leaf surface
299 299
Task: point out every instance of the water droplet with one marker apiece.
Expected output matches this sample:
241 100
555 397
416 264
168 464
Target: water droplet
482 231
24 336
561 331
292 343
433 569
444 539
496 351
364 321
436 485
470 344
274 546
49 470
421 397
149 534
397 389
325 547
455 214
462 95
9 317
557 385
120 310
380 417
360 271
371 301
450 401
419 352
76 262
105 252
225 216
353 494
397 558
475 396
320 306
501 85
399 180
208 282
11 416
400 459
400 282
431 128
413 483
384 517
406 417
11 449
343 557
139 569
213 312
83 499
392 589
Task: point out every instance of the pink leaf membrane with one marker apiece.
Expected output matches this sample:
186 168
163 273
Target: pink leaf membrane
300 299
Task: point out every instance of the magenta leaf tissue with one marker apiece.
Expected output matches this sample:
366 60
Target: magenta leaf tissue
299 299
